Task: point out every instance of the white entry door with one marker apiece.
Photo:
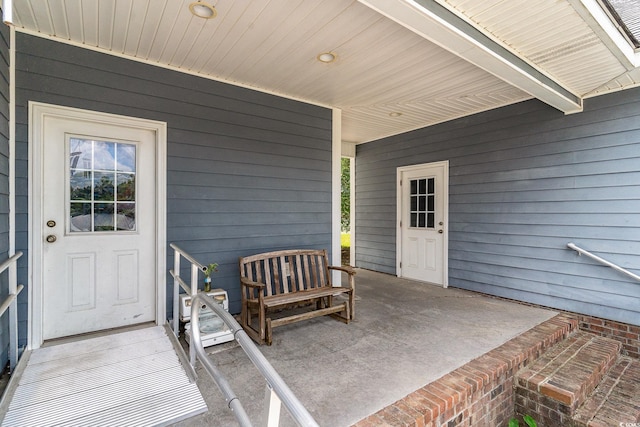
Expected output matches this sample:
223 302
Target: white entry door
422 226
98 229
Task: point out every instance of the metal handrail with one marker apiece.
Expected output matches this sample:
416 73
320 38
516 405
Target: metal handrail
9 300
277 389
196 267
603 261
11 303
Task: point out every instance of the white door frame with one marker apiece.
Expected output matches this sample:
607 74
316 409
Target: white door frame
445 242
37 114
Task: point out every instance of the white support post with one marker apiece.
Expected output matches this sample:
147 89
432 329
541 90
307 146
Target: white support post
194 291
7 8
194 279
272 406
336 157
13 317
176 294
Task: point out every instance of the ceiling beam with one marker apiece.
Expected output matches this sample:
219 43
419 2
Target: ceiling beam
7 12
441 26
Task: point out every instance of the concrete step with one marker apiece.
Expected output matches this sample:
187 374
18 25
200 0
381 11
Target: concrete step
616 400
561 380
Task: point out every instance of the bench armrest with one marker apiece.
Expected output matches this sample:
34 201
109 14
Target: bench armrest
349 270
250 283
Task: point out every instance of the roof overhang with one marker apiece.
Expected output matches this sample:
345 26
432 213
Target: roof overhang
598 19
443 27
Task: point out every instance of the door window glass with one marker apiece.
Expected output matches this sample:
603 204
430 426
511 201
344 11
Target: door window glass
422 199
102 186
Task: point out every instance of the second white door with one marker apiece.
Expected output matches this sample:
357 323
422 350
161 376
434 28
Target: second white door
422 228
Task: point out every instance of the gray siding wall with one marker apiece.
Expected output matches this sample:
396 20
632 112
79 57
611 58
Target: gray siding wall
524 181
247 172
4 182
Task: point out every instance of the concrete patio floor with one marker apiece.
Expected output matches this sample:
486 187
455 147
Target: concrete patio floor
406 334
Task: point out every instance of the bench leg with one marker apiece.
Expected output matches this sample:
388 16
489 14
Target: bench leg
324 302
346 318
261 322
352 304
269 333
246 317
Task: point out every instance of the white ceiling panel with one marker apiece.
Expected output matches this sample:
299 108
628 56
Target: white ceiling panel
549 34
381 67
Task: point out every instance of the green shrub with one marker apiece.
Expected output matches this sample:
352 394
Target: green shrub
345 240
513 422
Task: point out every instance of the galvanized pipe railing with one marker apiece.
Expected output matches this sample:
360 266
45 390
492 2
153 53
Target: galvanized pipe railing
192 289
11 303
277 390
602 261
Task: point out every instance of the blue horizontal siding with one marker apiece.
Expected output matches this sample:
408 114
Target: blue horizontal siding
524 181
247 172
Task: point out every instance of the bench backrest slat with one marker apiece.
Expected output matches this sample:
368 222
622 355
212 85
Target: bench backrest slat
313 283
273 262
295 273
307 270
266 269
287 271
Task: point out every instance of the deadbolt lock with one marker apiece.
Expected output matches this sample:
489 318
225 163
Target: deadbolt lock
51 238
51 223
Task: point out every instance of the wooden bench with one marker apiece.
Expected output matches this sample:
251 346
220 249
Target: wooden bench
280 281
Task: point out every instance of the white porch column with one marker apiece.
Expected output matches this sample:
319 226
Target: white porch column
336 155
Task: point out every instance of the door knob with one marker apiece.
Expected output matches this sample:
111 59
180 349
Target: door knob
440 231
51 238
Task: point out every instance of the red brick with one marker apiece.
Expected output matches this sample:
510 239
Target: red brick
439 404
403 406
451 396
420 405
456 385
476 373
558 394
394 416
371 421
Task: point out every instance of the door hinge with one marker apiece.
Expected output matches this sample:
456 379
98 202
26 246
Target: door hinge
400 264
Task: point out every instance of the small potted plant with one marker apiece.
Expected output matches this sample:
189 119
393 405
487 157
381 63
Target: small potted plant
207 275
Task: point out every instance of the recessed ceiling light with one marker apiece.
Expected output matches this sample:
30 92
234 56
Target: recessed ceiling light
203 10
326 57
395 114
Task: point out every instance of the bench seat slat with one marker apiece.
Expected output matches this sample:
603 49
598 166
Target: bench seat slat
295 297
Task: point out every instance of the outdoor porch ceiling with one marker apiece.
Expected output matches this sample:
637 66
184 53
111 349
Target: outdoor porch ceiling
400 64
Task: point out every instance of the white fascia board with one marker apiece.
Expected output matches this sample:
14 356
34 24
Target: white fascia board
607 30
441 26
